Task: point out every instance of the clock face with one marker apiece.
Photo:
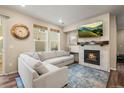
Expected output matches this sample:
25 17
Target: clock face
20 31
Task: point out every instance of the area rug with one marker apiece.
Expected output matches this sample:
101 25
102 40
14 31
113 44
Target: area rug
19 82
81 77
85 77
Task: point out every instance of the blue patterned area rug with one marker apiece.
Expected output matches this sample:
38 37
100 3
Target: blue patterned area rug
82 77
85 77
19 82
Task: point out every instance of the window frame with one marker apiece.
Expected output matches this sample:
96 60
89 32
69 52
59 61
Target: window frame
47 40
46 32
54 40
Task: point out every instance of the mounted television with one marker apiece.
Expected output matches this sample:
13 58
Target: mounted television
91 30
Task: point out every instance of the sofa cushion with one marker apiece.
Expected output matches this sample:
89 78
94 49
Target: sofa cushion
62 53
35 64
59 60
33 54
46 55
50 67
65 53
40 68
59 53
30 62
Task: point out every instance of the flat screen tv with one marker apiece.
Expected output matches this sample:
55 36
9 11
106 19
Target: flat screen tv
91 30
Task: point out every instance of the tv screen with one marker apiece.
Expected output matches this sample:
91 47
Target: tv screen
91 30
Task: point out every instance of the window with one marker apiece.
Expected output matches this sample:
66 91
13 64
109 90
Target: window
54 38
40 39
46 40
72 38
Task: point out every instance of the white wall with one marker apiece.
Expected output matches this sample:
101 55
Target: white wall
109 32
113 42
13 47
120 42
1 43
104 18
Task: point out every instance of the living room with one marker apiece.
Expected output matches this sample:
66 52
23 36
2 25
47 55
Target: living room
61 47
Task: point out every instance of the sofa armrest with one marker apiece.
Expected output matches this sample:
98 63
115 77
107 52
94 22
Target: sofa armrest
57 78
26 73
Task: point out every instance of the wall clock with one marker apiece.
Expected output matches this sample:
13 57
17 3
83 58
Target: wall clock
20 31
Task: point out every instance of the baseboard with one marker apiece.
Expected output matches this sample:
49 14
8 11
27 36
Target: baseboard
113 69
10 73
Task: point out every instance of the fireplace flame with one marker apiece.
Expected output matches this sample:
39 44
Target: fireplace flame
92 56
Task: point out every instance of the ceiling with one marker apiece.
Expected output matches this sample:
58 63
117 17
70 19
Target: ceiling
69 13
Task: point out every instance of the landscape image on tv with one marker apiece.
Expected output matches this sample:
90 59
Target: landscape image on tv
91 30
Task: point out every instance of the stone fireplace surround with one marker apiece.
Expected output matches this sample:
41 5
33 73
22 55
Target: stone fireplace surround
104 56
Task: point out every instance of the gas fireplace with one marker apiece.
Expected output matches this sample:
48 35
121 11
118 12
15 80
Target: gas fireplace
92 56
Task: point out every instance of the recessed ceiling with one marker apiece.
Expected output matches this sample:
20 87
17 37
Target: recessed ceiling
68 13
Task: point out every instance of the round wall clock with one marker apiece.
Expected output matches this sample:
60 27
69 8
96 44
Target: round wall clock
20 31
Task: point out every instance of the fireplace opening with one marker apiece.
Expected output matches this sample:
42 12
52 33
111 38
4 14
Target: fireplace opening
92 56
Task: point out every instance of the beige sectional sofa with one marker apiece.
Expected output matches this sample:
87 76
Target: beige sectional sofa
54 62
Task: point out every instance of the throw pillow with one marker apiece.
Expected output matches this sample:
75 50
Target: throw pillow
33 54
41 56
30 61
62 53
40 68
59 53
46 55
65 53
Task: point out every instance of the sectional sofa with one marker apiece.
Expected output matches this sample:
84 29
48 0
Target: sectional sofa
51 66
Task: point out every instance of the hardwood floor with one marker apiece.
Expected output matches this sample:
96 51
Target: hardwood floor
116 79
121 74
0 64
8 81
0 67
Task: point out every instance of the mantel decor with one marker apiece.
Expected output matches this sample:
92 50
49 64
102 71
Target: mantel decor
101 43
20 31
